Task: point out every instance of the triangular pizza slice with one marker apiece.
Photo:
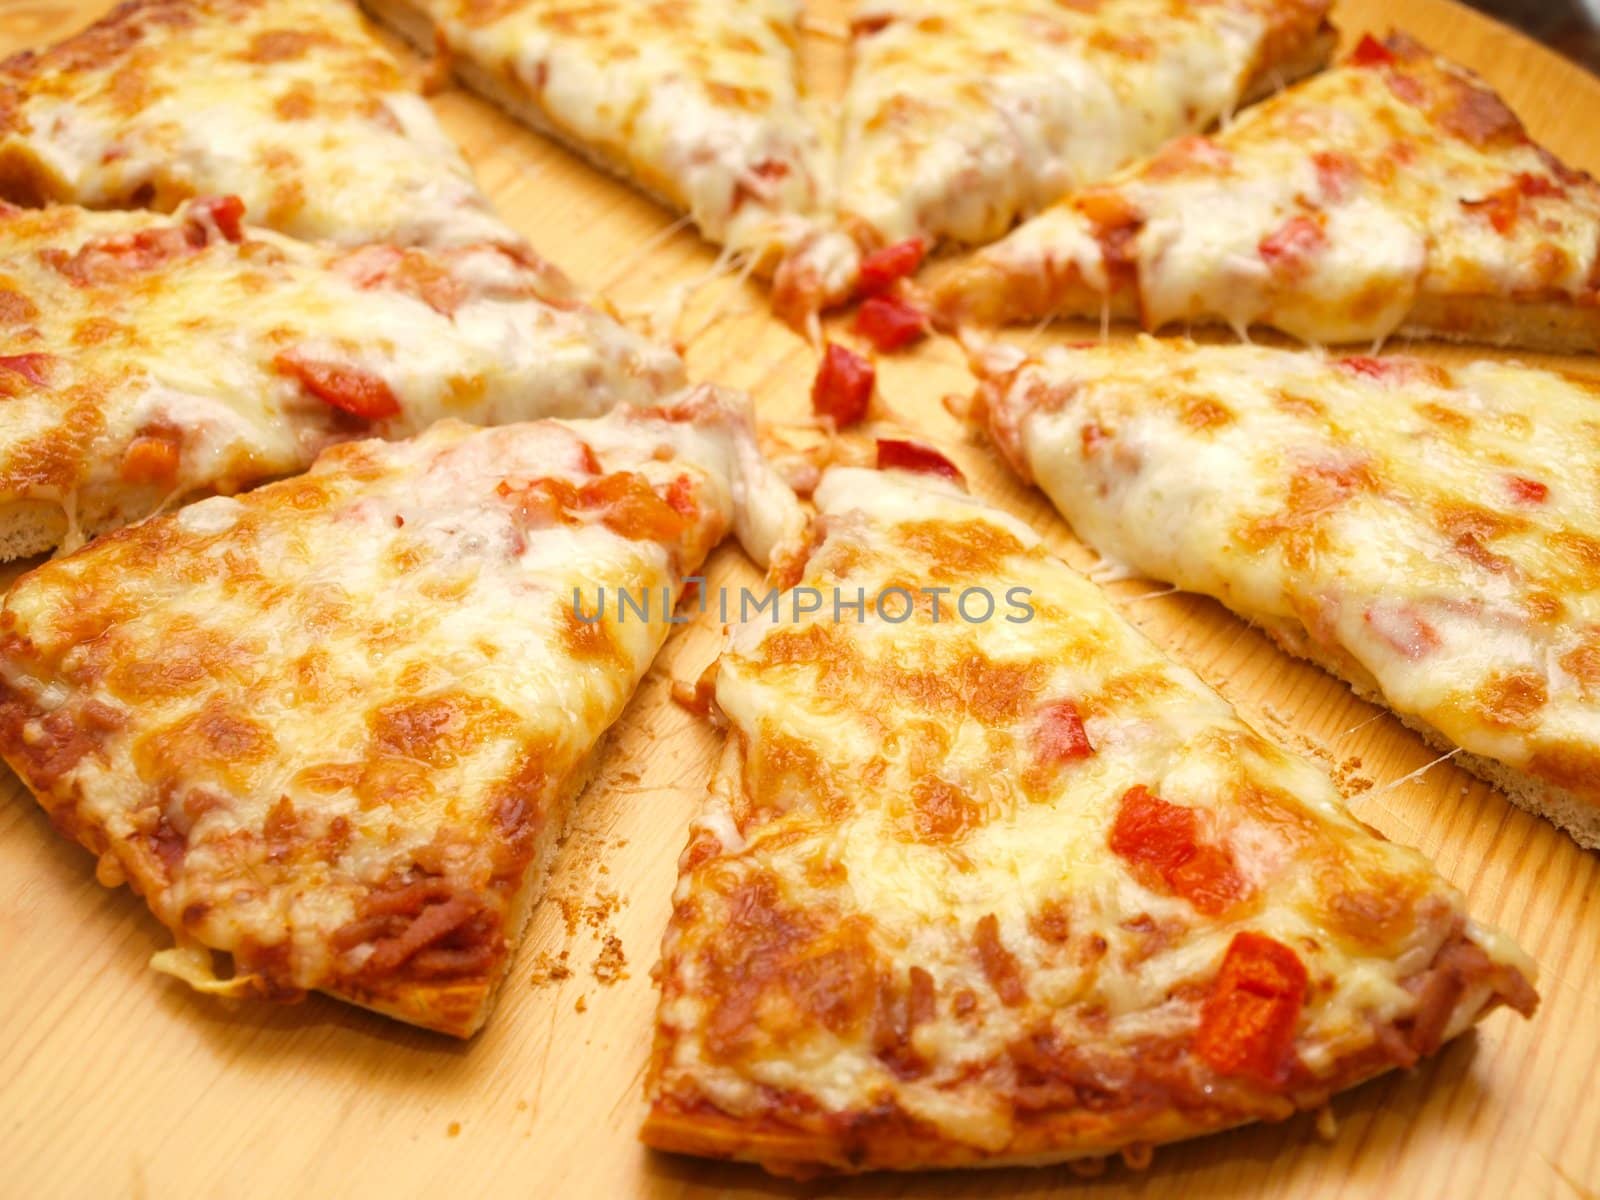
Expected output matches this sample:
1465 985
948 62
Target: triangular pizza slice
1428 533
962 117
984 878
699 104
334 728
1396 193
146 357
290 104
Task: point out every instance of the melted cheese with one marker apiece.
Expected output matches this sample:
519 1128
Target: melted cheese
962 117
699 103
883 809
1327 212
366 678
290 104
1437 529
191 349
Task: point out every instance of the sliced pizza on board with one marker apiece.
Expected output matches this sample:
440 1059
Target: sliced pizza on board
962 117
148 357
334 728
1395 193
700 104
986 879
1428 533
290 104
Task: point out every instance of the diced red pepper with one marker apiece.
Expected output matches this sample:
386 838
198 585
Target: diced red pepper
889 323
1061 737
1248 1020
1164 839
225 212
351 389
843 386
1404 628
1363 364
1527 491
1336 171
881 269
1538 185
1370 52
31 367
1293 242
896 454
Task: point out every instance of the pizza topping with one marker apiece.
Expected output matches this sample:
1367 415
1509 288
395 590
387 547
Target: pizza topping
1248 1020
1527 491
999 964
889 323
1116 224
152 458
624 501
1061 737
1372 368
1370 52
1337 173
355 390
109 260
896 454
223 213
843 386
1291 246
427 277
1164 840
32 367
1403 629
882 269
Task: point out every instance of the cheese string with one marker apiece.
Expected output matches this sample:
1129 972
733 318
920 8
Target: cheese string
1418 773
624 266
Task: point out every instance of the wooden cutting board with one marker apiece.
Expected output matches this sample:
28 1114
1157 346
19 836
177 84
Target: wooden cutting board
117 1081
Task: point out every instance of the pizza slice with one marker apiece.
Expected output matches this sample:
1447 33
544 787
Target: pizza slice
1396 193
334 728
701 105
147 357
962 117
1428 533
290 104
986 879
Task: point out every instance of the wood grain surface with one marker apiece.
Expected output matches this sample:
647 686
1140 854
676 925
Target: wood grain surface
115 1080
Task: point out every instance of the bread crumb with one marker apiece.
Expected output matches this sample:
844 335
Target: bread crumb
1327 1123
454 1129
581 1006
548 969
612 965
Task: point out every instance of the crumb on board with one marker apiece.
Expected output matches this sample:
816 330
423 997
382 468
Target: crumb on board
453 1129
612 965
550 968
594 913
1327 1123
581 1006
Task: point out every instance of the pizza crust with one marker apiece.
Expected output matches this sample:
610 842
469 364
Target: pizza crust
461 1009
1568 811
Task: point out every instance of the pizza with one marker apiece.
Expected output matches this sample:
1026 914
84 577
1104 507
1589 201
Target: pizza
290 104
700 104
983 878
1428 533
148 357
332 729
1395 193
963 116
